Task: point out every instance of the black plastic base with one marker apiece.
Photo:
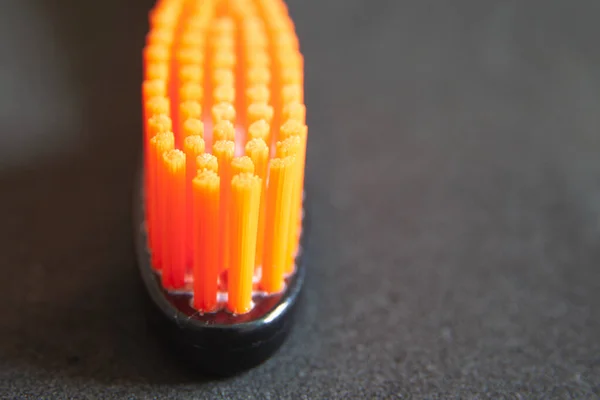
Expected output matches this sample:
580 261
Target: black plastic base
219 343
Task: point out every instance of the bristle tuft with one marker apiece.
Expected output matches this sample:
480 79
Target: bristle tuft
290 128
259 130
154 87
242 165
223 112
296 111
224 94
205 224
191 91
208 162
223 130
245 201
190 109
191 73
222 76
193 127
158 105
260 111
159 123
279 195
258 94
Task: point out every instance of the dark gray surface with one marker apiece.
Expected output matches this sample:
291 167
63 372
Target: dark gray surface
454 162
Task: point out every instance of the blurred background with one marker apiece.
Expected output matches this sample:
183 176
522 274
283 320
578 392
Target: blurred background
454 177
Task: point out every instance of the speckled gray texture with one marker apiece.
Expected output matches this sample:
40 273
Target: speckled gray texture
454 167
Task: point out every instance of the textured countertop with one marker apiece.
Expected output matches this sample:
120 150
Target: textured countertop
454 168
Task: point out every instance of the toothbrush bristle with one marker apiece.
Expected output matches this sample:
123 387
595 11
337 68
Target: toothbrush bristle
193 146
224 151
279 201
223 112
153 88
157 105
205 222
259 130
245 199
173 238
193 127
189 109
207 161
155 200
242 165
225 146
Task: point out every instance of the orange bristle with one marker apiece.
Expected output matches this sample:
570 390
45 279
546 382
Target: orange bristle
288 147
224 43
223 130
222 26
159 144
258 112
163 37
193 146
191 91
245 201
258 94
290 128
154 107
292 147
259 130
258 58
205 223
191 73
187 56
258 151
190 109
157 71
255 37
165 14
296 111
157 105
224 150
158 123
286 42
222 76
223 112
193 127
258 76
208 162
156 53
290 76
292 93
279 193
242 165
192 39
224 94
294 127
174 251
225 147
154 88
221 61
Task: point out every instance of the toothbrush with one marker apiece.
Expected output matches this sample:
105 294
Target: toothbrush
221 225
